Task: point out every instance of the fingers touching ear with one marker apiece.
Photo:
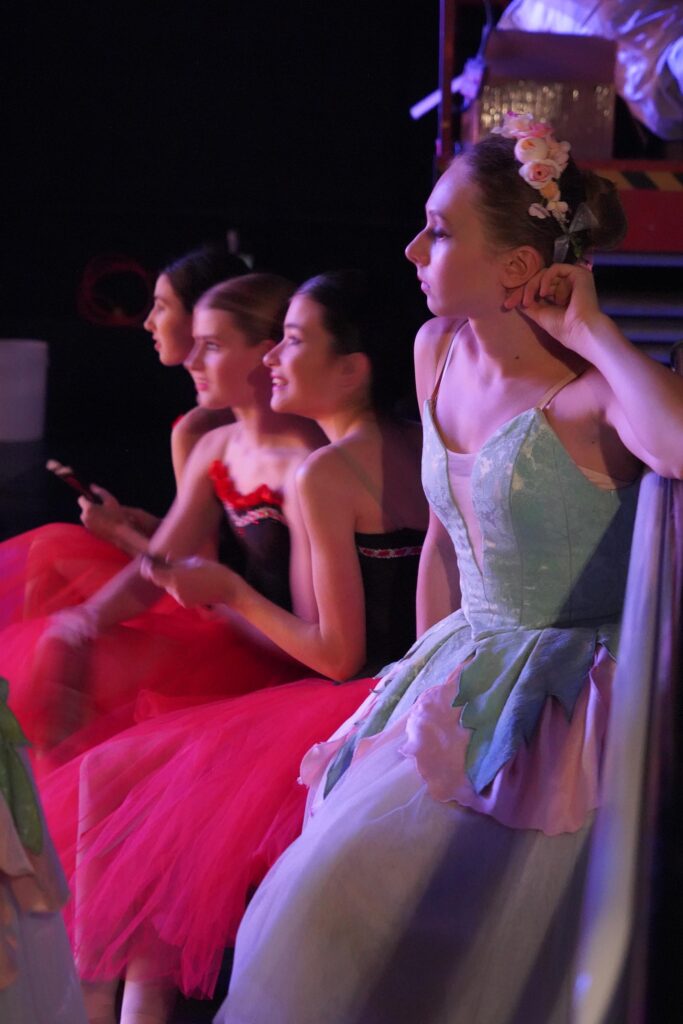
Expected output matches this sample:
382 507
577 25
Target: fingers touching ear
519 265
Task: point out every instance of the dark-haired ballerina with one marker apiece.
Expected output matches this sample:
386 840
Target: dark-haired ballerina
176 291
59 564
182 816
91 670
439 873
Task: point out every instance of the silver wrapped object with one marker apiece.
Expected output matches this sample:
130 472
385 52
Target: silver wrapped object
649 49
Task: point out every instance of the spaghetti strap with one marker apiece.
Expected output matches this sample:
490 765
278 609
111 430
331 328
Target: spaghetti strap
443 366
369 484
547 398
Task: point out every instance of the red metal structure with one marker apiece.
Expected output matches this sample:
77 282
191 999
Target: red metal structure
651 190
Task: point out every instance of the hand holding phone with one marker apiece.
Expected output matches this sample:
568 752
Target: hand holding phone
67 474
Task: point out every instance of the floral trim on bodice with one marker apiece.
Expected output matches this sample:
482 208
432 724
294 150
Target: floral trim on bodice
404 552
245 509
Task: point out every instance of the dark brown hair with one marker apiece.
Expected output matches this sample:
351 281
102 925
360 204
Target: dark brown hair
256 302
506 198
359 311
192 274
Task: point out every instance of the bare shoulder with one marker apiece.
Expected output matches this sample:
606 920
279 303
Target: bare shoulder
325 479
319 467
214 444
597 393
431 344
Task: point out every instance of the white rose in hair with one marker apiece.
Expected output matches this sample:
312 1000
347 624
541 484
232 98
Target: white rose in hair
531 148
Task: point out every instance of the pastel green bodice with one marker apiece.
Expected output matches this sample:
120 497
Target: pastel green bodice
550 588
555 546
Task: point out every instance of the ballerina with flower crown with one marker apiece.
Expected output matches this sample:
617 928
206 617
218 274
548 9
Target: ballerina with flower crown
440 871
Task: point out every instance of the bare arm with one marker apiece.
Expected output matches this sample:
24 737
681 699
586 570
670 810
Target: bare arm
104 520
189 429
643 400
646 402
438 579
331 640
193 516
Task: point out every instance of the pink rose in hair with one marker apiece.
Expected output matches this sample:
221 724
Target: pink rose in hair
539 172
518 126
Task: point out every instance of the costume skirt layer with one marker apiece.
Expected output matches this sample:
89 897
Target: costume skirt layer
53 567
551 783
409 889
38 982
69 700
179 820
396 907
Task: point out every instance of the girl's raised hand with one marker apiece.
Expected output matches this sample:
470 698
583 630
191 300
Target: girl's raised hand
193 581
562 300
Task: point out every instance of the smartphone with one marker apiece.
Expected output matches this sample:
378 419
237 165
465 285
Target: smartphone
67 474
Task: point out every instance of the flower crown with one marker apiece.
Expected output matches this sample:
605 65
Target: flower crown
543 160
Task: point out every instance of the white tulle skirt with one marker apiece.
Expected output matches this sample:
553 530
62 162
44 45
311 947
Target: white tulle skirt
395 907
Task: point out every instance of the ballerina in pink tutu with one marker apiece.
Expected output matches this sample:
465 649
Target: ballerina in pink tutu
181 816
59 565
177 288
89 671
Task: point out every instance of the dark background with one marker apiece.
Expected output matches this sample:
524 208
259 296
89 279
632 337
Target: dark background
144 129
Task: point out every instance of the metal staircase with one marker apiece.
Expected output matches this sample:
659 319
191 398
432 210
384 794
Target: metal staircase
643 293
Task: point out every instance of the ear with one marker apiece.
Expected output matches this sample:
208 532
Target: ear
519 265
355 369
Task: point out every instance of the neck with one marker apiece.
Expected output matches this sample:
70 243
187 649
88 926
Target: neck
259 421
508 344
342 423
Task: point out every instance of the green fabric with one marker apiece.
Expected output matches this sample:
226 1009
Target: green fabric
15 782
550 589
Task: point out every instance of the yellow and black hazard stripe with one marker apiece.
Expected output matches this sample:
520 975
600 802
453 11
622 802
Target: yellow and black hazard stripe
653 180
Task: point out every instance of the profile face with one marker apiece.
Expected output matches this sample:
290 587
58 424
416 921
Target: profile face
170 324
225 368
456 265
303 365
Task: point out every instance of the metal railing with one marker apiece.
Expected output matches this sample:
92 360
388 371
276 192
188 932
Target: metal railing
614 963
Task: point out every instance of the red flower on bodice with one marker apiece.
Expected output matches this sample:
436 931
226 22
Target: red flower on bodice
229 495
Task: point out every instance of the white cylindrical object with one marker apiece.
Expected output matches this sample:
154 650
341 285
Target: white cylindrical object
23 388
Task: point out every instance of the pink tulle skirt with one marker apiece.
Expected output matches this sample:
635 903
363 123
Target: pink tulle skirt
53 567
179 819
69 699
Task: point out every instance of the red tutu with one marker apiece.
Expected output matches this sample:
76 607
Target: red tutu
69 698
53 567
180 818
110 684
